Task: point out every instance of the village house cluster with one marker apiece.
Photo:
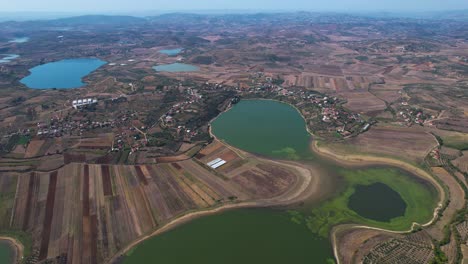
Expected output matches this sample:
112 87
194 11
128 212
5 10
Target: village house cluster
324 114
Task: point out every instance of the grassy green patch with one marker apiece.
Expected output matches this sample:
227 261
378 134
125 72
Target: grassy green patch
420 200
6 203
23 140
457 145
24 238
457 141
288 153
362 58
123 156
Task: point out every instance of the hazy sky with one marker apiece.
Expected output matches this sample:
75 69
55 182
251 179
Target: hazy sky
162 5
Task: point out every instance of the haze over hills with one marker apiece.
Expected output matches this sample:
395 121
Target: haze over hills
344 133
27 16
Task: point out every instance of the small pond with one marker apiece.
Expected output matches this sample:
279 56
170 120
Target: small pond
176 67
377 202
171 52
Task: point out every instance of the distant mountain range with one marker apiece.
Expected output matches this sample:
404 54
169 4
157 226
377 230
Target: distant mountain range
453 15
62 20
97 20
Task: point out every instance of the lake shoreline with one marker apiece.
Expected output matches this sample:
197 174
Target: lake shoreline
304 193
350 160
18 249
62 74
353 161
306 188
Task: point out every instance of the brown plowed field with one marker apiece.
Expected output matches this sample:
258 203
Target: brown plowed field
33 148
88 212
462 162
49 211
390 141
457 202
266 181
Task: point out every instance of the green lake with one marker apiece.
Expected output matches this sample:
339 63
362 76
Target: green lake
64 74
264 127
377 202
6 252
241 236
277 130
171 52
176 67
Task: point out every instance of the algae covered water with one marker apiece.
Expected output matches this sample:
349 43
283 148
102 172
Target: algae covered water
277 130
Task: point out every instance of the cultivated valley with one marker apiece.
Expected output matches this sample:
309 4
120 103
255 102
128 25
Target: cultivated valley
234 138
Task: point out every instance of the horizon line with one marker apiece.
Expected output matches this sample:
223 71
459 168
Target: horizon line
259 10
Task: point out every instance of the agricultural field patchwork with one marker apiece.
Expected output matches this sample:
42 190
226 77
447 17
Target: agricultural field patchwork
85 213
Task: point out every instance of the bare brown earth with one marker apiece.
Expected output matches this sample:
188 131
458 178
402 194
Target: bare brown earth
256 181
391 141
457 202
464 249
363 102
462 162
409 248
451 249
33 148
353 243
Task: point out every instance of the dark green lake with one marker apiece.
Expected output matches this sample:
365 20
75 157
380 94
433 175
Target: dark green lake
6 252
64 74
241 236
264 127
377 202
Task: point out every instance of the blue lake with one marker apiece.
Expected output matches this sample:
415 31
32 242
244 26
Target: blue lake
176 67
64 74
4 58
19 40
171 52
